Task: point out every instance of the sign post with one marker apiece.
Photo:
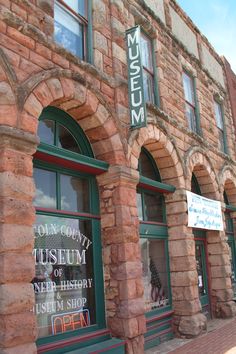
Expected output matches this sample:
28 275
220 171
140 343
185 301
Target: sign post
135 78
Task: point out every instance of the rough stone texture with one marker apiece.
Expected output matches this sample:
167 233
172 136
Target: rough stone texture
36 72
184 33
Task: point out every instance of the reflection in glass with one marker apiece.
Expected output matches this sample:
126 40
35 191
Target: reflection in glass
68 31
153 207
146 168
148 87
64 281
78 6
74 193
46 131
139 205
45 182
190 114
200 269
155 278
188 88
66 140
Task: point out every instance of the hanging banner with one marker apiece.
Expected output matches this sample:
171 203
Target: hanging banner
135 78
204 213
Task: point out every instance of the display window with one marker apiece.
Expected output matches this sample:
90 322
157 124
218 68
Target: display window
153 236
68 282
231 242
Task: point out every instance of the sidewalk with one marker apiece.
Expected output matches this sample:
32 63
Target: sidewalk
220 338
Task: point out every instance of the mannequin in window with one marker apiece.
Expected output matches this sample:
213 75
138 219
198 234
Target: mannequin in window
157 291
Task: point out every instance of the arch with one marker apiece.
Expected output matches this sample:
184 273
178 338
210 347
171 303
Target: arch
8 110
162 150
197 162
227 179
85 106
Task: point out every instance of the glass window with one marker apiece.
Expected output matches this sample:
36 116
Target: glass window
190 104
74 193
68 282
46 131
70 26
64 277
45 182
66 140
155 275
148 73
220 125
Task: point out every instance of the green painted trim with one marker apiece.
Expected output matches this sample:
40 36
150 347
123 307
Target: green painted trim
73 157
230 208
158 185
152 231
89 48
59 116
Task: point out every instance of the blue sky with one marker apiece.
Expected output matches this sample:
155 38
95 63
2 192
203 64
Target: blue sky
216 19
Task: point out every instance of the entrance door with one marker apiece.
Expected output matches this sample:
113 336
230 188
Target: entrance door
200 247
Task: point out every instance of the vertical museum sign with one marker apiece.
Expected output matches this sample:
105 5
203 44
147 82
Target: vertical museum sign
135 78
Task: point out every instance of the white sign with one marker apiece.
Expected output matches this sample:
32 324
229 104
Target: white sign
204 213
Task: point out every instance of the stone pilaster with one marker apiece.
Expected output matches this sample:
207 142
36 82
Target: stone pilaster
220 270
121 256
188 319
17 321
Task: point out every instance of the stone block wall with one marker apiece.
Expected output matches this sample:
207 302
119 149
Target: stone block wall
36 72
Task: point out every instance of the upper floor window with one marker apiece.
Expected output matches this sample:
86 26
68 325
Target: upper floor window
148 69
220 125
71 26
190 102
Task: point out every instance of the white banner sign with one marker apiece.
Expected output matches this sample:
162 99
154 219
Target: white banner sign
204 213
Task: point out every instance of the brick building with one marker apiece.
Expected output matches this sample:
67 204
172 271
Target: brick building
95 242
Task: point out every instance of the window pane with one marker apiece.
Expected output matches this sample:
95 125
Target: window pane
221 140
139 206
146 168
68 31
66 140
78 6
46 131
148 86
153 206
188 89
146 52
218 114
74 193
155 278
64 277
45 182
191 118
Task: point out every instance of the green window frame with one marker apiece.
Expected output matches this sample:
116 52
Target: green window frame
150 84
191 102
229 231
220 123
79 166
73 27
154 232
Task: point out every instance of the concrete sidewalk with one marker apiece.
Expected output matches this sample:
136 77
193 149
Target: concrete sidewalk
220 338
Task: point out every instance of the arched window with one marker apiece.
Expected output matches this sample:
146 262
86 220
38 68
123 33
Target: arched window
68 283
230 239
154 244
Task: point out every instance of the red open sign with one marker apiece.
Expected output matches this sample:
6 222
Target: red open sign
70 321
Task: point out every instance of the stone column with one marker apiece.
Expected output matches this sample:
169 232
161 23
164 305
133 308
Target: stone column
121 256
220 270
188 319
17 321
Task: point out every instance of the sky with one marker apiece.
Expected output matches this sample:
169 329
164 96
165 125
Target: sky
216 19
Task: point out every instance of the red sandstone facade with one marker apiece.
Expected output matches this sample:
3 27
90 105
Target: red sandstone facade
36 72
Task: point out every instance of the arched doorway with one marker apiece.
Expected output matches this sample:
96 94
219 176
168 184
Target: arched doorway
154 250
201 259
68 283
